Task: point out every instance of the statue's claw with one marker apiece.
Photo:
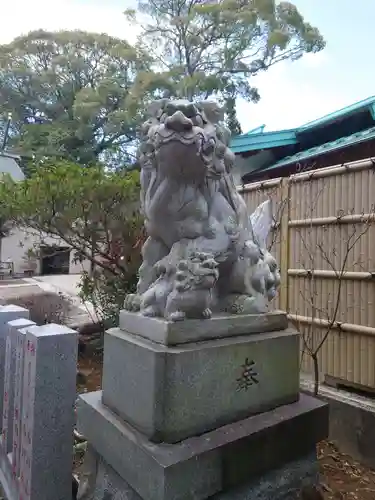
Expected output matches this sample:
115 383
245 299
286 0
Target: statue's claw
207 313
177 316
149 311
245 304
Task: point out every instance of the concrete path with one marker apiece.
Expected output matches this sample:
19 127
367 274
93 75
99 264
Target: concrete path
67 285
64 283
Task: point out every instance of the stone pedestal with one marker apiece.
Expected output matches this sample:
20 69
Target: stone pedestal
210 418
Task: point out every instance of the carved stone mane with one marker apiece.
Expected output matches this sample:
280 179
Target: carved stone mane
191 208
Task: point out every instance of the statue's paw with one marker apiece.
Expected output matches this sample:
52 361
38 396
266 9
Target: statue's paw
127 301
207 313
254 305
271 293
176 316
132 302
149 311
245 304
165 266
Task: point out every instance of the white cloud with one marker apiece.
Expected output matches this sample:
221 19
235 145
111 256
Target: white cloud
21 16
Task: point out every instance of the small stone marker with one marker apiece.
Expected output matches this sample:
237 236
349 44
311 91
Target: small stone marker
19 340
10 380
7 313
49 393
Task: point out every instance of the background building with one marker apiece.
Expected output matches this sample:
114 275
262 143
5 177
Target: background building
345 135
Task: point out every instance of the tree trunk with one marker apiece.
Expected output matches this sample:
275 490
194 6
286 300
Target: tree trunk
316 372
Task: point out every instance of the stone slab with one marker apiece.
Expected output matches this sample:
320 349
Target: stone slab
7 313
49 395
283 483
171 393
194 330
9 483
20 340
215 462
10 379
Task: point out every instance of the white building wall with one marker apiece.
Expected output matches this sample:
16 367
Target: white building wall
15 246
8 165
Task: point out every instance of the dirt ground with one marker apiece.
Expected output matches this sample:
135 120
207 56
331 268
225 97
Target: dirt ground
342 478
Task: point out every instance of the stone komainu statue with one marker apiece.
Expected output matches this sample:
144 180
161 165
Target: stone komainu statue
203 254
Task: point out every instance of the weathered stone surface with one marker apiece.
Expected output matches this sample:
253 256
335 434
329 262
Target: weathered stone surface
7 313
11 379
20 340
108 485
136 458
7 481
49 395
194 330
284 483
171 393
46 386
239 455
203 252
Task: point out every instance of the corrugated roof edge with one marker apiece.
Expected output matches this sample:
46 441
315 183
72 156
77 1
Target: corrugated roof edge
265 140
364 103
328 147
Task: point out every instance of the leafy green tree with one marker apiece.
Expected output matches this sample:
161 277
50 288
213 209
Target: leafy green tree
212 48
232 121
93 211
71 94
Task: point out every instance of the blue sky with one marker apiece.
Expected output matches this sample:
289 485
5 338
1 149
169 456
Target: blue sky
291 93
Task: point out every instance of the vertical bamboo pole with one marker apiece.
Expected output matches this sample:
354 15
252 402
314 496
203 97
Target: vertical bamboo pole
284 243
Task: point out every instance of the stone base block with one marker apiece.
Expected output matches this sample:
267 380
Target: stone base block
283 483
172 393
232 462
195 330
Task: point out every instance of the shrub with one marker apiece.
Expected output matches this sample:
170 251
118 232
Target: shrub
107 292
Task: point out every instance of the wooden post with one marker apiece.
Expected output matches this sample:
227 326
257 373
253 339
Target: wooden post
284 244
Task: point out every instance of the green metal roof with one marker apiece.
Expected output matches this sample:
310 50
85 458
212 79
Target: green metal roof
341 113
328 147
259 130
257 139
264 140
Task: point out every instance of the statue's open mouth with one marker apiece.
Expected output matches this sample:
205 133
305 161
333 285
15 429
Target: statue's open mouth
204 147
164 135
